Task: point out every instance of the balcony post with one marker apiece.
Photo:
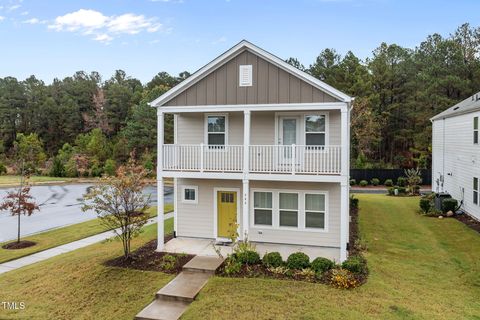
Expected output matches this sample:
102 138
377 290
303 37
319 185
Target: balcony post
160 191
246 142
202 157
344 186
294 157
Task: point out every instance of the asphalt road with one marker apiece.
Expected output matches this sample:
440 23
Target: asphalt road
59 206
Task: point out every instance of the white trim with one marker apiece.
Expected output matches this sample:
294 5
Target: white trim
235 50
205 128
215 211
188 201
301 129
301 210
254 107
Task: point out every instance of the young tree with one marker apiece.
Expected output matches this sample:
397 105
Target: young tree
19 202
120 204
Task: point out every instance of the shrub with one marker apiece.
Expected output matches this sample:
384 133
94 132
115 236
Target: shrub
58 169
402 181
391 191
363 183
353 202
3 168
425 205
298 260
321 264
96 170
375 181
342 279
110 167
356 264
388 183
272 259
449 204
353 182
248 257
232 266
168 262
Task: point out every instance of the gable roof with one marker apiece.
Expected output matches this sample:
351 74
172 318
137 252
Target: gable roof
468 105
235 50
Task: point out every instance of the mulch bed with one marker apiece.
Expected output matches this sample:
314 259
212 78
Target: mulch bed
147 259
468 221
19 245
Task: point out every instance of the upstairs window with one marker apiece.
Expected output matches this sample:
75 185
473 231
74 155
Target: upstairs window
475 130
475 190
216 130
315 130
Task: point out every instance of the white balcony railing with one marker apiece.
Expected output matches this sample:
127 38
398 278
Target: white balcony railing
281 159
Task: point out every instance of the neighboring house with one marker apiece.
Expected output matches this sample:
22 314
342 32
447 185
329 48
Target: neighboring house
456 153
260 145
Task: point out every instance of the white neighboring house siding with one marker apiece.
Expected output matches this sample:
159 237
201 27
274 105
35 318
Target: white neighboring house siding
457 158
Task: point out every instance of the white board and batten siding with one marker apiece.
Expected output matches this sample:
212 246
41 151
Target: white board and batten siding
457 158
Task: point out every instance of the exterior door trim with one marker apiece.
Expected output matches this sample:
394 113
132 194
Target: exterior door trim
215 211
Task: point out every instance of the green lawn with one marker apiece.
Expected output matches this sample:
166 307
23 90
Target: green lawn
13 180
421 268
57 237
77 286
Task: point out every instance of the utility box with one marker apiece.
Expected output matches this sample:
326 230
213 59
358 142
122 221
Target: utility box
439 197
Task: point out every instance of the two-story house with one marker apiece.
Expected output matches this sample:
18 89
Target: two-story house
456 153
259 146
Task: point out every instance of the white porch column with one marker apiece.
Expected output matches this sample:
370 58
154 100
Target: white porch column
246 171
160 187
246 208
344 185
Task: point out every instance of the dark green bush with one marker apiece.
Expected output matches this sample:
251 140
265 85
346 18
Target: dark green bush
96 170
298 260
449 204
402 181
58 169
356 264
363 183
272 259
353 202
375 181
402 190
391 191
425 205
388 183
353 182
322 264
3 168
248 257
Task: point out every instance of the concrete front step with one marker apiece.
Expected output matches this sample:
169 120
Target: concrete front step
184 287
163 310
204 264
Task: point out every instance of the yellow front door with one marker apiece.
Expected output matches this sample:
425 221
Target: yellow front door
227 213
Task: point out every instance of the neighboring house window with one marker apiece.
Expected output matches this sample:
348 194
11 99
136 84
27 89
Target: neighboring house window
315 211
189 194
288 205
315 130
475 190
262 208
475 130
216 130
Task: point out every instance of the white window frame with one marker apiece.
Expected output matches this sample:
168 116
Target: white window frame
301 210
271 209
325 212
206 133
325 132
290 210
476 130
302 128
188 201
477 191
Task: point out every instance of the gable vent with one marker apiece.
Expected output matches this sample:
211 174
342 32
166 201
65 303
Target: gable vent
245 74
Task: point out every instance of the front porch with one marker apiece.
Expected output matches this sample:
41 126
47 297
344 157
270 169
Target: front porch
208 247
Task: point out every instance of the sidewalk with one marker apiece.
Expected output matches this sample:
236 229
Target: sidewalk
52 252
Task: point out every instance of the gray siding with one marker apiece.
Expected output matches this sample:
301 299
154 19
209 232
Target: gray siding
270 85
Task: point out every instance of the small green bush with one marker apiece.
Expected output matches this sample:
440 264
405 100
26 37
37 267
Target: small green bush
391 191
353 182
363 183
375 181
449 204
425 205
321 264
232 266
110 167
388 183
272 260
168 262
96 170
58 169
353 202
402 181
356 264
248 257
298 260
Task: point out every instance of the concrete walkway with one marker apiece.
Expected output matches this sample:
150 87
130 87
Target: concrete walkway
46 254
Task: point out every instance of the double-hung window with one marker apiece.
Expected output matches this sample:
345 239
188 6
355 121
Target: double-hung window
216 130
315 134
475 130
288 205
315 210
262 208
475 190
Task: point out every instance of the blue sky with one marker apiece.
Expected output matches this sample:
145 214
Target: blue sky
56 38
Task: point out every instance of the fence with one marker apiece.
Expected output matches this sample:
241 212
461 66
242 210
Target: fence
383 174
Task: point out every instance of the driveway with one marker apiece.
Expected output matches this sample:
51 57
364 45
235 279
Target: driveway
59 206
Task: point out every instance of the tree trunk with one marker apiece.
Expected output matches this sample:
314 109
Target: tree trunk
18 234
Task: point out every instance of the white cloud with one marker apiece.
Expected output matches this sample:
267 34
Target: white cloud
34 21
13 7
2 18
104 28
24 13
222 39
